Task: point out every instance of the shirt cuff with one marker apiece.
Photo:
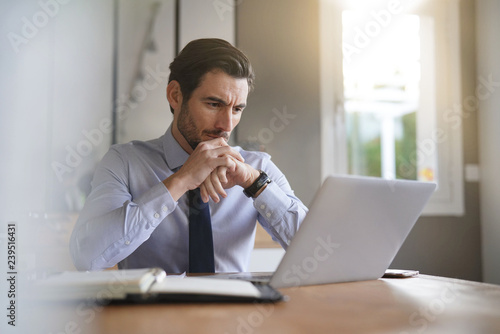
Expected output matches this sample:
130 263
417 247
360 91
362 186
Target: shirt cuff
272 203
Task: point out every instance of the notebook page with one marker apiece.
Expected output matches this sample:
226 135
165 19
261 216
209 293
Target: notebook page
207 286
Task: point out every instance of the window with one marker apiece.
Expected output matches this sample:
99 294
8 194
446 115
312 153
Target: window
390 79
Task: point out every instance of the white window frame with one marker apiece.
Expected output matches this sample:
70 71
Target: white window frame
448 200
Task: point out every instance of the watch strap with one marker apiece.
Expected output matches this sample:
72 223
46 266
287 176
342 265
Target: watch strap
258 184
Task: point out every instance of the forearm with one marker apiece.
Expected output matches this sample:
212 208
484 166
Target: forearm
176 185
103 237
103 241
280 212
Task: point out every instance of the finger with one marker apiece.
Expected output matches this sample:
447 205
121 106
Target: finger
214 143
217 184
211 190
223 161
227 150
204 193
237 164
208 151
219 141
221 173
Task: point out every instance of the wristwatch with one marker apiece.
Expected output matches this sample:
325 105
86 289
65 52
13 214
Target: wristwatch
258 184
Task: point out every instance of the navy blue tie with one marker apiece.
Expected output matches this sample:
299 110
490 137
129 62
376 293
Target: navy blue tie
201 244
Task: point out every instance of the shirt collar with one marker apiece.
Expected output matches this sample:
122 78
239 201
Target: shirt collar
175 156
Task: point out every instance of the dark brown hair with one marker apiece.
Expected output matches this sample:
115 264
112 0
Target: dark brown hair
204 55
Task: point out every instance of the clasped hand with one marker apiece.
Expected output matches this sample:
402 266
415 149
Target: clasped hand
214 166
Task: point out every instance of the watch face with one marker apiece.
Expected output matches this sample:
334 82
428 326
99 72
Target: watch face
261 181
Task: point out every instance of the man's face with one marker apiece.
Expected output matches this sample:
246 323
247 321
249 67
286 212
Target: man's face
213 110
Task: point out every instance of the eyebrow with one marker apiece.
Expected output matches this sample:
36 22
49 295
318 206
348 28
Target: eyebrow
221 101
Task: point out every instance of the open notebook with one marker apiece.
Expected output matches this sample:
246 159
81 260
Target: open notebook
148 286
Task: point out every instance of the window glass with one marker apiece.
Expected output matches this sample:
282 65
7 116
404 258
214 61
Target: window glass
382 98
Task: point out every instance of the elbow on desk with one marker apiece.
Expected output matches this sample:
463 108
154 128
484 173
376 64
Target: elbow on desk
81 253
78 254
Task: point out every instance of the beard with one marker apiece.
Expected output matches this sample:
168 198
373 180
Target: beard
188 129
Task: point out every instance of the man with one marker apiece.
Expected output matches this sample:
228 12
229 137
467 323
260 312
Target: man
138 213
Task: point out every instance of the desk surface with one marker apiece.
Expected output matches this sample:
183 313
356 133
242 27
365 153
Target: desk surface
426 304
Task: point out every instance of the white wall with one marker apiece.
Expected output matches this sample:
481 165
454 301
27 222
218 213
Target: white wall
488 66
23 111
148 116
143 111
201 19
281 39
56 87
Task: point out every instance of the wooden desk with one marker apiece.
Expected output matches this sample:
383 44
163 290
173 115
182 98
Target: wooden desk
426 304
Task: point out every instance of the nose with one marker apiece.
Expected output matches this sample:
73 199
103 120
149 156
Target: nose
224 120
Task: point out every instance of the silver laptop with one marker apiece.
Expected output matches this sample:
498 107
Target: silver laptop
354 229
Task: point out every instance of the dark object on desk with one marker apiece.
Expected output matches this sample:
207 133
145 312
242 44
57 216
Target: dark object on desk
150 286
398 273
266 295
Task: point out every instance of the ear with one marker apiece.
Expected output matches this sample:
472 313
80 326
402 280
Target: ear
174 94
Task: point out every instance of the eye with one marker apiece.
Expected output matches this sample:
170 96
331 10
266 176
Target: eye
214 104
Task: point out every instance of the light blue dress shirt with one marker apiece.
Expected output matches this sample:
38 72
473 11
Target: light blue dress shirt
131 219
